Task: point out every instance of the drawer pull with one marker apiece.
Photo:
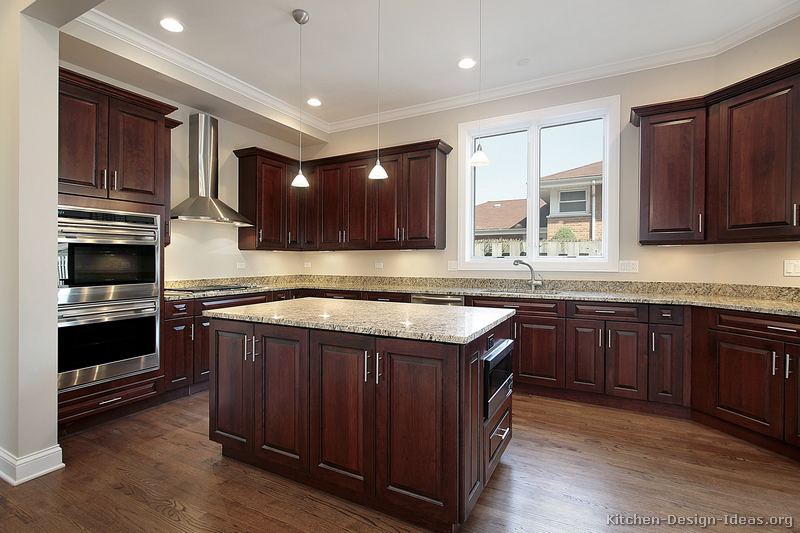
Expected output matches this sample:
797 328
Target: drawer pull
778 328
788 362
654 341
774 363
335 297
383 299
511 306
502 433
605 311
179 307
112 400
206 324
207 372
666 314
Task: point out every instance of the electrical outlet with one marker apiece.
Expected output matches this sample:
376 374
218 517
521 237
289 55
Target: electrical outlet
378 264
452 265
241 266
307 264
629 266
791 268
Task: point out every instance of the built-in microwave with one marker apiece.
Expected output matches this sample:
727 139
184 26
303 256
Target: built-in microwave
107 255
498 375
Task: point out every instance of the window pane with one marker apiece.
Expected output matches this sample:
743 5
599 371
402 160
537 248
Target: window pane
501 197
571 187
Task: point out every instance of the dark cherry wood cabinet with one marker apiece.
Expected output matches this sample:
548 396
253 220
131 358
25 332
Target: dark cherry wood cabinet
177 346
331 206
736 149
673 177
356 222
112 142
280 358
387 203
201 366
585 355
791 376
343 410
539 350
626 360
423 222
665 366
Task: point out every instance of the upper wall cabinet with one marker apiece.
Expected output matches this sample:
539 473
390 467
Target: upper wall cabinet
724 167
343 209
111 142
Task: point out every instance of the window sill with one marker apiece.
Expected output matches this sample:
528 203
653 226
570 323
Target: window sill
551 264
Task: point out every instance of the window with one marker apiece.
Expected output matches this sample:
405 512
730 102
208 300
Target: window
549 193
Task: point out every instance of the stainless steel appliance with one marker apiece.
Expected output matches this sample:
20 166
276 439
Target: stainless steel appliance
436 300
100 341
107 255
498 378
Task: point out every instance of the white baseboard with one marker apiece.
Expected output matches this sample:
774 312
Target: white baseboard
18 470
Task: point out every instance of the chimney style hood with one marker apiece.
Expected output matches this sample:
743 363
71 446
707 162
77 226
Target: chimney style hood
203 203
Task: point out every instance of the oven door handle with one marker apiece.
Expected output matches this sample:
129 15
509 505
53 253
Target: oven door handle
493 358
95 314
107 235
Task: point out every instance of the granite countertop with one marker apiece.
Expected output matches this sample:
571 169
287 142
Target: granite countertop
437 323
178 294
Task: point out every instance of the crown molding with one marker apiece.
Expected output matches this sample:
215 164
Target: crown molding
128 34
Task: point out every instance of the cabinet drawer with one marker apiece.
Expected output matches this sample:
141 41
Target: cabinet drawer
666 314
234 301
341 295
387 297
105 401
280 296
523 306
178 309
608 311
769 325
497 435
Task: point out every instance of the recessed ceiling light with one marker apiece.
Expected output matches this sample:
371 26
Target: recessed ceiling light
467 63
171 24
314 102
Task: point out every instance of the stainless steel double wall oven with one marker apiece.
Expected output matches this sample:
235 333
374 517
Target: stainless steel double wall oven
109 283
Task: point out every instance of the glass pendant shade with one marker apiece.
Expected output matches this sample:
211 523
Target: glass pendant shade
378 172
300 180
479 158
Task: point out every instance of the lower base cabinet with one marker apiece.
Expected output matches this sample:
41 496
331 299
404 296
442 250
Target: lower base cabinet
791 373
539 351
585 356
373 419
626 360
665 367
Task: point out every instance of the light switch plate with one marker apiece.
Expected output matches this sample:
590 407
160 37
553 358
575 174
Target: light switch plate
378 264
791 268
307 264
241 266
629 266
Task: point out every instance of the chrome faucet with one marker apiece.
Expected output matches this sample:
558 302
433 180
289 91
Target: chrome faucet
534 281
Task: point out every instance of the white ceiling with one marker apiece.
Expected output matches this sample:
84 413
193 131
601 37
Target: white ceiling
256 41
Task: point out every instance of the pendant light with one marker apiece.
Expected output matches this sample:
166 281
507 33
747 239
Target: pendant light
378 172
479 157
301 17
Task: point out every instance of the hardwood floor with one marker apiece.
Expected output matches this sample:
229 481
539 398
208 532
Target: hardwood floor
568 467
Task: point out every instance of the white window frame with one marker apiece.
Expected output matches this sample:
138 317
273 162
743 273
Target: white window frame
607 108
586 200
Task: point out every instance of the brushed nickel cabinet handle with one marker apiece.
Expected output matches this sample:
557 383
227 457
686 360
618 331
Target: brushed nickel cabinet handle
179 328
397 232
774 363
290 238
112 400
654 341
105 178
511 306
606 311
260 235
515 330
115 181
255 354
609 337
383 299
366 366
207 372
502 433
600 337
205 324
700 222
794 214
788 362
179 307
377 368
778 328
244 348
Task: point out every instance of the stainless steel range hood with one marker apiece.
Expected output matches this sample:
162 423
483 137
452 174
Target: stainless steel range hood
203 203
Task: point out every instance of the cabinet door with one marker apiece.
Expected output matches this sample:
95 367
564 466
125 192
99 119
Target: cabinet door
386 204
418 229
270 220
343 411
416 430
202 365
356 222
673 177
295 200
82 141
539 351
585 356
281 400
135 153
626 360
791 375
759 163
310 212
177 352
748 383
665 365
331 204
231 390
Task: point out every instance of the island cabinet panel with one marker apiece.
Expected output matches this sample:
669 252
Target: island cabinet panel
281 396
791 374
626 360
585 355
343 411
747 385
202 364
82 141
539 351
472 425
665 365
673 177
416 440
759 163
387 204
231 391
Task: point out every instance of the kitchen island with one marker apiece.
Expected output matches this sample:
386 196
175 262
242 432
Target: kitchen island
380 403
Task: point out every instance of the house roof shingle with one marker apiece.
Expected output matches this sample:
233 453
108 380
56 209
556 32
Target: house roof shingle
585 171
501 214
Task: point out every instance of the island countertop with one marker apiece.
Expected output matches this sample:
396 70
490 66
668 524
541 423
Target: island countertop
436 323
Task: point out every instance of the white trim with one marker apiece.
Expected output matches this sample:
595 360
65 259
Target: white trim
608 109
559 213
104 23
18 470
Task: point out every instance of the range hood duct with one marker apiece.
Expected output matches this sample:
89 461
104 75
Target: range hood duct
203 204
